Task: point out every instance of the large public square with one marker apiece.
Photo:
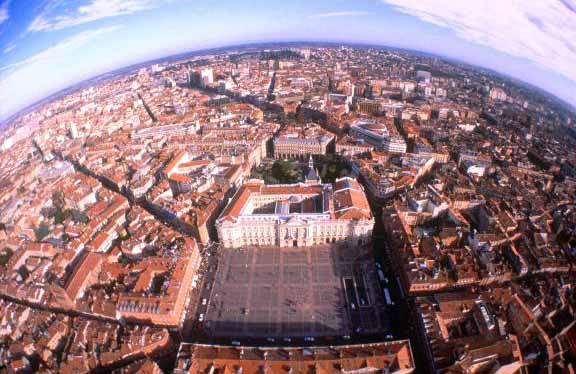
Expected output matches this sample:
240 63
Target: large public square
321 291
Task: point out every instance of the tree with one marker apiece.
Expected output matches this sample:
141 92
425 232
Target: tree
41 231
5 256
284 172
76 215
58 199
291 117
59 216
269 179
333 169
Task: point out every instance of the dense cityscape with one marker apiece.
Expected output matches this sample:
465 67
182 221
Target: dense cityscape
290 209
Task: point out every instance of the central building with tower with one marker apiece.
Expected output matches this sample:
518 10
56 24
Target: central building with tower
296 215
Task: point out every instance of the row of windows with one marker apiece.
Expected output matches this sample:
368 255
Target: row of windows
289 242
272 230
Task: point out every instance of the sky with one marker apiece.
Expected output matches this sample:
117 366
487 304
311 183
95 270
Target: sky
48 45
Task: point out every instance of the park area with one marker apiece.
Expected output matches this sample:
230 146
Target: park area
329 167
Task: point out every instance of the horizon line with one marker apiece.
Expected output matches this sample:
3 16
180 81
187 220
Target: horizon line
29 108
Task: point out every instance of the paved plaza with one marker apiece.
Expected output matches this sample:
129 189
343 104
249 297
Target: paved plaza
284 292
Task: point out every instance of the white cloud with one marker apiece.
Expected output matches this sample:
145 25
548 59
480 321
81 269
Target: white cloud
4 15
54 17
65 46
39 67
542 31
9 48
337 14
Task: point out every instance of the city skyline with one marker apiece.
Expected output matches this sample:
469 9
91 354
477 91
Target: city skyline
297 208
56 44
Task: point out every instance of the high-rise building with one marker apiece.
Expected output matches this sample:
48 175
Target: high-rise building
73 131
207 76
498 94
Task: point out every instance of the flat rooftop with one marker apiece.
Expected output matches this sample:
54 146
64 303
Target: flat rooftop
294 292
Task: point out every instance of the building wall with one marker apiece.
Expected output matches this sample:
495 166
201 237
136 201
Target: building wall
350 150
298 149
369 107
294 232
388 143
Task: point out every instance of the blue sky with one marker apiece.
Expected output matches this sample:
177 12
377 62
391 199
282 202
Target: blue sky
47 45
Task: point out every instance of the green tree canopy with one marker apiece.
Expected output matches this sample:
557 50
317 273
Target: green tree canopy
41 231
5 256
284 171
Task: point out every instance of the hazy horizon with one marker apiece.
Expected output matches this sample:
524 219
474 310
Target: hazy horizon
263 45
54 45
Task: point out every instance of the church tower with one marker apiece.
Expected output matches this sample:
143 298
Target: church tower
312 176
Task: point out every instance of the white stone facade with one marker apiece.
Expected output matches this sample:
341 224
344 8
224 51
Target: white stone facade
298 215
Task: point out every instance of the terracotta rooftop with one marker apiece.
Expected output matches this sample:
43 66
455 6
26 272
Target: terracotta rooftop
395 356
89 264
349 198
